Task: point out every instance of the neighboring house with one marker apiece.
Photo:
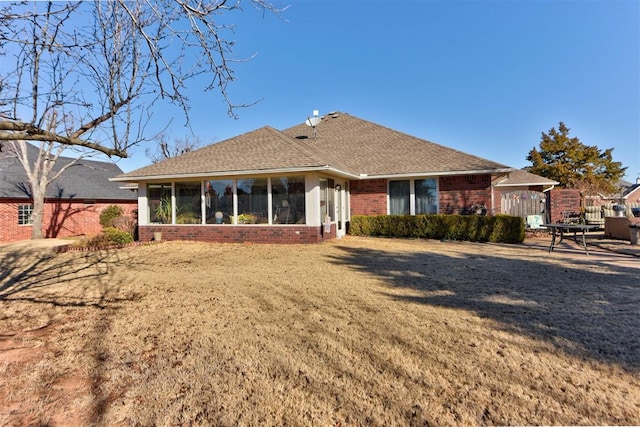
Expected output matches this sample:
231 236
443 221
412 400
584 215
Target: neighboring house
627 193
73 202
631 194
304 183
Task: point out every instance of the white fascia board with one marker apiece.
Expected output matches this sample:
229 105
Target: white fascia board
433 174
180 177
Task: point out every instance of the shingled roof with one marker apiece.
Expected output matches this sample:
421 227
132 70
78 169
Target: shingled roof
341 143
367 148
86 179
524 178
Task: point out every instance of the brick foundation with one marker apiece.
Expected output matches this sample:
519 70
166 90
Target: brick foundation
238 233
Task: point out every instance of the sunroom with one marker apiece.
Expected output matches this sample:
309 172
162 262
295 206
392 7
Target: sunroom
282 200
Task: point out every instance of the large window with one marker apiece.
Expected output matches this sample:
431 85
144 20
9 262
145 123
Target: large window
159 197
188 203
25 213
426 196
253 205
288 198
233 201
399 197
218 200
413 197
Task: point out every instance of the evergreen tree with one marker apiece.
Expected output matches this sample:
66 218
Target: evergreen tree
574 164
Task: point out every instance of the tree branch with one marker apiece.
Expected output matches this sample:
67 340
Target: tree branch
25 131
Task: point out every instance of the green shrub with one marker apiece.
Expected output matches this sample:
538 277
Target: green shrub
118 236
508 229
109 215
96 241
498 228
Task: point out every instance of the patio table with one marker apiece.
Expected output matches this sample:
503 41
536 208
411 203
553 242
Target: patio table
559 228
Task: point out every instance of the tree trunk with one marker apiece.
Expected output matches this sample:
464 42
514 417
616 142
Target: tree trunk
38 212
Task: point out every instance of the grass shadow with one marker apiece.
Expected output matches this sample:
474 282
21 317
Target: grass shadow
40 283
585 308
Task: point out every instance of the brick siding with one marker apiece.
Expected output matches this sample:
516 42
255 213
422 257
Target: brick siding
561 200
368 197
459 192
62 218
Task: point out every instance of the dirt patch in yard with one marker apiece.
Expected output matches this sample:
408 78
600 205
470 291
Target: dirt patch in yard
358 331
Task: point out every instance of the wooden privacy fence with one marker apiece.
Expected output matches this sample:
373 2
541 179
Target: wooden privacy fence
524 202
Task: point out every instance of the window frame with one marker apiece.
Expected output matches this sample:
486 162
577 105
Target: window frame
258 205
25 214
412 195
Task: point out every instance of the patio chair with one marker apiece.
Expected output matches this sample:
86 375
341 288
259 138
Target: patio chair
594 215
607 210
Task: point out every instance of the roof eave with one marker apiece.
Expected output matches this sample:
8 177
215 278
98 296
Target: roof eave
522 184
432 174
201 175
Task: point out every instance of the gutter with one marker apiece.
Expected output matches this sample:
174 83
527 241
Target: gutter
325 168
203 175
430 174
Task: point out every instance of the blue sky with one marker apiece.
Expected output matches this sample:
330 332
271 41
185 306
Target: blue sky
485 77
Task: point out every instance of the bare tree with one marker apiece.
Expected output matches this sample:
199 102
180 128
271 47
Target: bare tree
166 149
86 75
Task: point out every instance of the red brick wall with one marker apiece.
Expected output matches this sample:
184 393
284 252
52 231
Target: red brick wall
634 196
461 191
10 231
239 233
561 200
62 218
368 197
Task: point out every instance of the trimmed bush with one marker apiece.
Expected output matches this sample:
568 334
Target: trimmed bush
109 215
498 228
118 236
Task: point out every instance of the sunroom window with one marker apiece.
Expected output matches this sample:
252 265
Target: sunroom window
188 205
253 205
327 200
287 200
159 197
218 199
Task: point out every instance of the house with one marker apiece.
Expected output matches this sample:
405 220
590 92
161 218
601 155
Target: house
303 184
73 202
631 194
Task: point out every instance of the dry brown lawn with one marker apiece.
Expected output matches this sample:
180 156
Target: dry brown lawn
359 331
